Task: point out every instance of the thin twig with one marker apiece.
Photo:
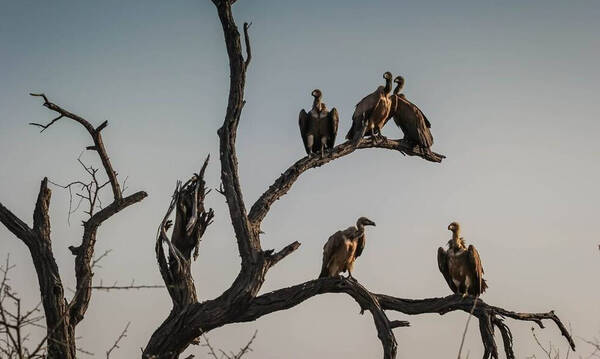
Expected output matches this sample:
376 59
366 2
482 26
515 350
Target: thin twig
462 341
116 343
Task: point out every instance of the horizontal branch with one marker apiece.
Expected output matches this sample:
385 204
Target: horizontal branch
287 298
116 207
283 184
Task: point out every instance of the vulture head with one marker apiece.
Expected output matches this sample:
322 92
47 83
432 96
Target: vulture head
316 93
387 75
364 221
400 81
454 227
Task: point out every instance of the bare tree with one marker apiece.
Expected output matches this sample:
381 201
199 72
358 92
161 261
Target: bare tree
189 319
62 315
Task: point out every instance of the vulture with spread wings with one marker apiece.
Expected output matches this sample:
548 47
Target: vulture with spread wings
319 126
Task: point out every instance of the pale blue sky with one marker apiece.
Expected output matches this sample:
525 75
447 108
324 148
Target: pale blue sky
510 88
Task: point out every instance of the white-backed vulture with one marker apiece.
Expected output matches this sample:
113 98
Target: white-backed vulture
319 126
372 110
342 249
461 266
410 118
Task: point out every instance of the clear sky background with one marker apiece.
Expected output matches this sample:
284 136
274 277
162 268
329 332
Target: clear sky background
511 89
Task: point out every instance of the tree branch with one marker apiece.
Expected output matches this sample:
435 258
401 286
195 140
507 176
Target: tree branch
62 318
247 237
283 184
489 316
96 137
15 225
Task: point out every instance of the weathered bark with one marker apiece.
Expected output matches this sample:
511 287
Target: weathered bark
61 316
189 319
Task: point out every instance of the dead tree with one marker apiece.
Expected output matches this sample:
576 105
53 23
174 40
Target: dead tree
62 316
189 319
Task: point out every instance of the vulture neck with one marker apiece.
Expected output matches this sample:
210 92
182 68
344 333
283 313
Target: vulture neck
456 241
397 89
360 238
317 104
388 86
361 228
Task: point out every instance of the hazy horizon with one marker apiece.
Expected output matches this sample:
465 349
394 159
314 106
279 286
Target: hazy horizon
510 90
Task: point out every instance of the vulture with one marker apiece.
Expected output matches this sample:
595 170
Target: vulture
373 110
461 266
342 249
319 126
410 118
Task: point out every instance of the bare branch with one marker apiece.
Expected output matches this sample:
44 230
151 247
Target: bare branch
96 137
462 341
15 225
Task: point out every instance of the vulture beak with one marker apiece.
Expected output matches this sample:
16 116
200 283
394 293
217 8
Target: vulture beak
449 227
371 223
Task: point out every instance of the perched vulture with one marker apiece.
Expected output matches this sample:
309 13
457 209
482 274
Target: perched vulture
373 110
342 249
461 266
319 126
410 118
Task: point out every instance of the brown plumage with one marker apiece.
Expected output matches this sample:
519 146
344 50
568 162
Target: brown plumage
461 266
342 249
372 110
319 126
410 118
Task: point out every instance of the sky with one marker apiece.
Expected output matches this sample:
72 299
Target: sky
509 87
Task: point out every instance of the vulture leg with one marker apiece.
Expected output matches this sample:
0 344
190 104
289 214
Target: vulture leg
310 139
323 145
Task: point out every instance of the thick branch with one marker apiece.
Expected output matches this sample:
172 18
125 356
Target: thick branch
283 184
15 225
85 254
289 297
247 238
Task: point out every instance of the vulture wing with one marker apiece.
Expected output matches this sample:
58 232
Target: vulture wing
363 111
475 265
332 120
413 122
427 123
332 245
422 125
368 103
303 122
442 258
